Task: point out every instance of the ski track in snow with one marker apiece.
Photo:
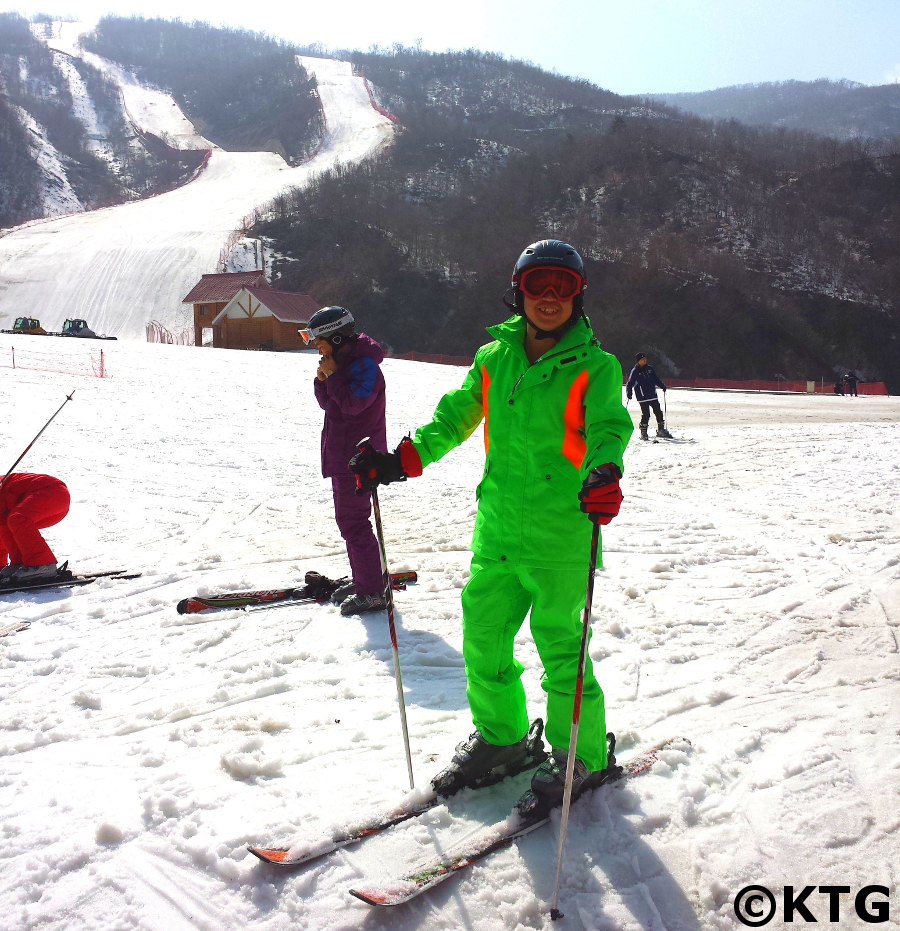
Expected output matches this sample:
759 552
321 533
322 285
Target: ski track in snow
748 602
128 265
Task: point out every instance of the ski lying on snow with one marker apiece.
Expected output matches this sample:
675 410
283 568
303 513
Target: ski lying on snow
376 823
485 841
367 827
268 596
14 628
67 579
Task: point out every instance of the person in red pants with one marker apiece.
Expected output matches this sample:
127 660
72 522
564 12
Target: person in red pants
28 504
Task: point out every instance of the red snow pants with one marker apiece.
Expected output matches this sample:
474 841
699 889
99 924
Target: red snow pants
28 503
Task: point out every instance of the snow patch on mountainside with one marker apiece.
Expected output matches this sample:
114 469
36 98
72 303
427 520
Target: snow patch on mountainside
57 195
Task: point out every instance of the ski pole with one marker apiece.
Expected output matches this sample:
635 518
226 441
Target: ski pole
25 452
665 411
389 602
576 713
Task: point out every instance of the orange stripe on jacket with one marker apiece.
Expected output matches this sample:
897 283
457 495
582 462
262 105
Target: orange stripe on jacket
485 385
574 446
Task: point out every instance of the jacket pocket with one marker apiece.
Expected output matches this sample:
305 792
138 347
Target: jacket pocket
484 475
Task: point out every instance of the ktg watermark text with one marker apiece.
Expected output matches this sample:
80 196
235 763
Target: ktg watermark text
756 906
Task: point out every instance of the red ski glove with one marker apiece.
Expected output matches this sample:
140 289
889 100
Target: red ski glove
374 467
600 494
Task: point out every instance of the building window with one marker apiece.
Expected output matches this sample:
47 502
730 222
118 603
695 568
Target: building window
202 309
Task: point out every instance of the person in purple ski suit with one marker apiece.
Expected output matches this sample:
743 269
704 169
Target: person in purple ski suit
349 387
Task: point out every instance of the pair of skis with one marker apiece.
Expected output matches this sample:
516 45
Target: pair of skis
64 579
67 579
304 594
457 857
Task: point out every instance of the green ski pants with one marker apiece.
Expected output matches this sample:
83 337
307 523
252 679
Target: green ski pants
495 601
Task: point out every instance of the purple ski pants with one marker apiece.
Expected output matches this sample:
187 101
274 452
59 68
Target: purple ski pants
352 513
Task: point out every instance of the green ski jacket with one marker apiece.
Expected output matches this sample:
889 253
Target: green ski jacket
546 425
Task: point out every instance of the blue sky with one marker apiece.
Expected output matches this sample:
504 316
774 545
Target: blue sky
631 47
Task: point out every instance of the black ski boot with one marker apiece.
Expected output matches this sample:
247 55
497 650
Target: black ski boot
343 591
644 434
33 575
664 433
477 763
548 784
358 603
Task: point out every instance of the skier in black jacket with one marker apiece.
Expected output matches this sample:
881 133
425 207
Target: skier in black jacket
643 381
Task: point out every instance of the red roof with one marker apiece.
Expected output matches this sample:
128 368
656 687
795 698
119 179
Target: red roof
287 306
221 288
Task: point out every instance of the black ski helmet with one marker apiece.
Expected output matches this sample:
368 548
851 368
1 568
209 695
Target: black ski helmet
333 324
549 253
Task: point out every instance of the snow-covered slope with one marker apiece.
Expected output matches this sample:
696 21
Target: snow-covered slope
121 267
749 601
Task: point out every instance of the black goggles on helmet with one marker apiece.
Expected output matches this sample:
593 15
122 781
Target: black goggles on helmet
563 282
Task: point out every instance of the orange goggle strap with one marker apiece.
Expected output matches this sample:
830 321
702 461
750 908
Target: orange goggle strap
564 282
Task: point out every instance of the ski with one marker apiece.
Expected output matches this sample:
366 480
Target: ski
67 579
14 628
487 840
305 852
307 593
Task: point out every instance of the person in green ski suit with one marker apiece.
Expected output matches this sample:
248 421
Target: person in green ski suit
555 431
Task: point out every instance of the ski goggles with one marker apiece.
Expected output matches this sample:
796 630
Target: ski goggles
325 324
564 283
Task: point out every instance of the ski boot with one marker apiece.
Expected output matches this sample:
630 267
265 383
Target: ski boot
357 603
33 575
477 763
548 784
7 572
644 435
344 590
664 433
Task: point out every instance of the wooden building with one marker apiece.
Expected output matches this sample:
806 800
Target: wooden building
241 310
263 318
210 295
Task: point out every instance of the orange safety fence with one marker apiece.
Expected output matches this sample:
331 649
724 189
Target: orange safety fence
778 385
710 384
438 358
68 360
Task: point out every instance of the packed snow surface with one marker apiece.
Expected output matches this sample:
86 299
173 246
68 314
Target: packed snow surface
122 267
749 602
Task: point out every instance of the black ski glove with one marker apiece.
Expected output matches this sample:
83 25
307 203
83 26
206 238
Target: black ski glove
374 467
600 495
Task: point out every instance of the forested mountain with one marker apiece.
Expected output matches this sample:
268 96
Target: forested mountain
723 250
843 109
242 90
50 163
67 141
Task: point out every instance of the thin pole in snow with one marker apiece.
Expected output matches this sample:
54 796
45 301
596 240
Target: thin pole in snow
555 913
25 452
389 602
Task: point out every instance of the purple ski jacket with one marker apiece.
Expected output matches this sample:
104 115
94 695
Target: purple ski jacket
354 401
